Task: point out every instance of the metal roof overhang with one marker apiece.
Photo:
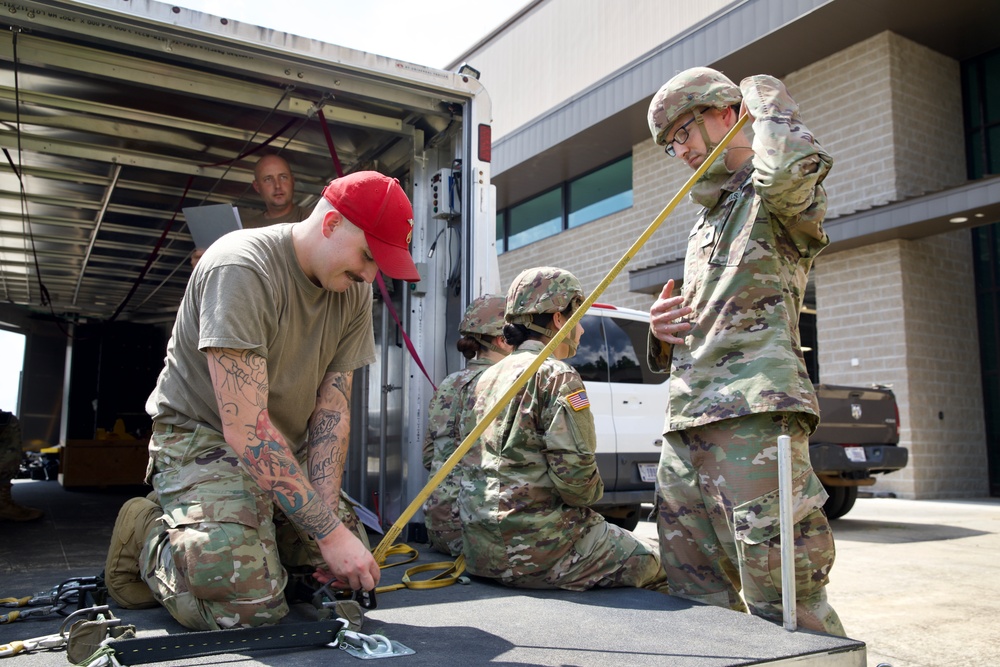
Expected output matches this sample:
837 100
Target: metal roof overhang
604 122
972 204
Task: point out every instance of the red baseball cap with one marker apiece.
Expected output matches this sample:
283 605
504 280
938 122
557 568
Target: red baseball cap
378 206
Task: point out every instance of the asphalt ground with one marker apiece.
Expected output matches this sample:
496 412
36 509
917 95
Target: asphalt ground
918 580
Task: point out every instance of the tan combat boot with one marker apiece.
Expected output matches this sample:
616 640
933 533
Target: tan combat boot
11 511
122 571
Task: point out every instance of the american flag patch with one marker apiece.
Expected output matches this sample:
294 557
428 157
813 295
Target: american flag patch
578 400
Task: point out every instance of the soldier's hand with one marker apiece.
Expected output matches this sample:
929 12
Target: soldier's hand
348 561
664 316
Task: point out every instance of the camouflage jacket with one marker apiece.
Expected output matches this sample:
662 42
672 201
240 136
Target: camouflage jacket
525 505
745 274
450 417
445 426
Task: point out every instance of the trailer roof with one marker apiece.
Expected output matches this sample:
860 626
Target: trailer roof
117 114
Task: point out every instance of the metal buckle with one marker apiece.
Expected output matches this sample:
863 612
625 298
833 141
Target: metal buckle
369 647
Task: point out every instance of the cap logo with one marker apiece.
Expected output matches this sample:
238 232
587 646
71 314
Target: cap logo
409 234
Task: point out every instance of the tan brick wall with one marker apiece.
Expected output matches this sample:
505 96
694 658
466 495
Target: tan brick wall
902 328
927 119
885 109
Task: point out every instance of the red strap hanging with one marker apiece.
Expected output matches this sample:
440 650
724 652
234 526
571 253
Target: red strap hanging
378 275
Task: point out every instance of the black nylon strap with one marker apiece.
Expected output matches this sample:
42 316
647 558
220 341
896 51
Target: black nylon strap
237 640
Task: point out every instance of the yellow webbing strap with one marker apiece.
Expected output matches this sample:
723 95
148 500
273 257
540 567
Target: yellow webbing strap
381 551
450 572
15 602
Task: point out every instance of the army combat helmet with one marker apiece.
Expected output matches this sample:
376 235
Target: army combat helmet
542 290
692 90
484 317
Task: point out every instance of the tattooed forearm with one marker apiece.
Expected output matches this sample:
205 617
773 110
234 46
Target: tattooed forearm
240 381
329 435
325 459
313 515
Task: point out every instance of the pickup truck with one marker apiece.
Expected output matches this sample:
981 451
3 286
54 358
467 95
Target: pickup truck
857 436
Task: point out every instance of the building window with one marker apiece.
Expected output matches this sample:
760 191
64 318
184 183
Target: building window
981 92
600 193
535 219
594 195
986 263
501 233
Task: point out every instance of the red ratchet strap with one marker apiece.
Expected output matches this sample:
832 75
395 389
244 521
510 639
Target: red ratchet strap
378 274
153 253
406 339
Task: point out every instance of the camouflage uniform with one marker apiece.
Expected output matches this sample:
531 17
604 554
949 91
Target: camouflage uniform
218 556
525 509
449 420
11 454
219 559
740 379
11 448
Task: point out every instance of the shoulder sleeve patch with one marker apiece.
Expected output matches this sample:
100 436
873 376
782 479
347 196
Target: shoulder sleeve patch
578 400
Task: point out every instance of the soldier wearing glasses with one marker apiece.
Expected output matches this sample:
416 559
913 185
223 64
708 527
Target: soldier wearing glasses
731 343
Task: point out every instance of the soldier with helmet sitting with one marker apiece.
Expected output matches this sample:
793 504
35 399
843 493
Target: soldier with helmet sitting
450 417
525 508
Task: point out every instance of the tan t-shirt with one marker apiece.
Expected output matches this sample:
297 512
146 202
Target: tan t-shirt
257 219
248 292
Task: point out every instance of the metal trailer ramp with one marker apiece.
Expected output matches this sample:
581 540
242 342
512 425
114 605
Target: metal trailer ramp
481 623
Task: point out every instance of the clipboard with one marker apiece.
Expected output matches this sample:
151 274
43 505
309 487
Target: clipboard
208 223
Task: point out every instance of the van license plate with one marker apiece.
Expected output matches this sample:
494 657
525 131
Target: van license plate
855 454
647 472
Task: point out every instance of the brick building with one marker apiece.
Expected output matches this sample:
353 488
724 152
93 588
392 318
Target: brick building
904 96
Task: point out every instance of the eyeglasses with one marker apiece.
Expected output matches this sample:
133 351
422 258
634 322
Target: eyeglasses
680 136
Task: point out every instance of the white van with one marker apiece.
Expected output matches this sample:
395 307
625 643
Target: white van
628 402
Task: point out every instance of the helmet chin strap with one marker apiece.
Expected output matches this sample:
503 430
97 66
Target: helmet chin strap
487 344
570 342
699 120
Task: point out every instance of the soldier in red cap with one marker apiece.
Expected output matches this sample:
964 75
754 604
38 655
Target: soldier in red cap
251 415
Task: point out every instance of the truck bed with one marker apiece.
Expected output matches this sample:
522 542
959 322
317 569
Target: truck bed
474 624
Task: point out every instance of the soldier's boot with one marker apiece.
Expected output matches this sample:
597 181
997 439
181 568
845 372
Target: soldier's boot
11 511
122 572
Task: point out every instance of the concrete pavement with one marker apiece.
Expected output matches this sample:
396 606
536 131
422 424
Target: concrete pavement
918 580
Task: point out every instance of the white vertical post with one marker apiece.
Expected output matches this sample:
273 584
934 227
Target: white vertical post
786 526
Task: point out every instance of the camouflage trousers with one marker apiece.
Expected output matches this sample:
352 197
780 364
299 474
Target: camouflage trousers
607 556
222 557
596 554
441 517
718 519
11 448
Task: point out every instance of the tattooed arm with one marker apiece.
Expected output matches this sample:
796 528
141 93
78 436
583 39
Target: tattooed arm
329 436
239 378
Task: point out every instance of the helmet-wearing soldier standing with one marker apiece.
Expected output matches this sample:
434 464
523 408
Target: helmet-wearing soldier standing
525 507
450 417
731 342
